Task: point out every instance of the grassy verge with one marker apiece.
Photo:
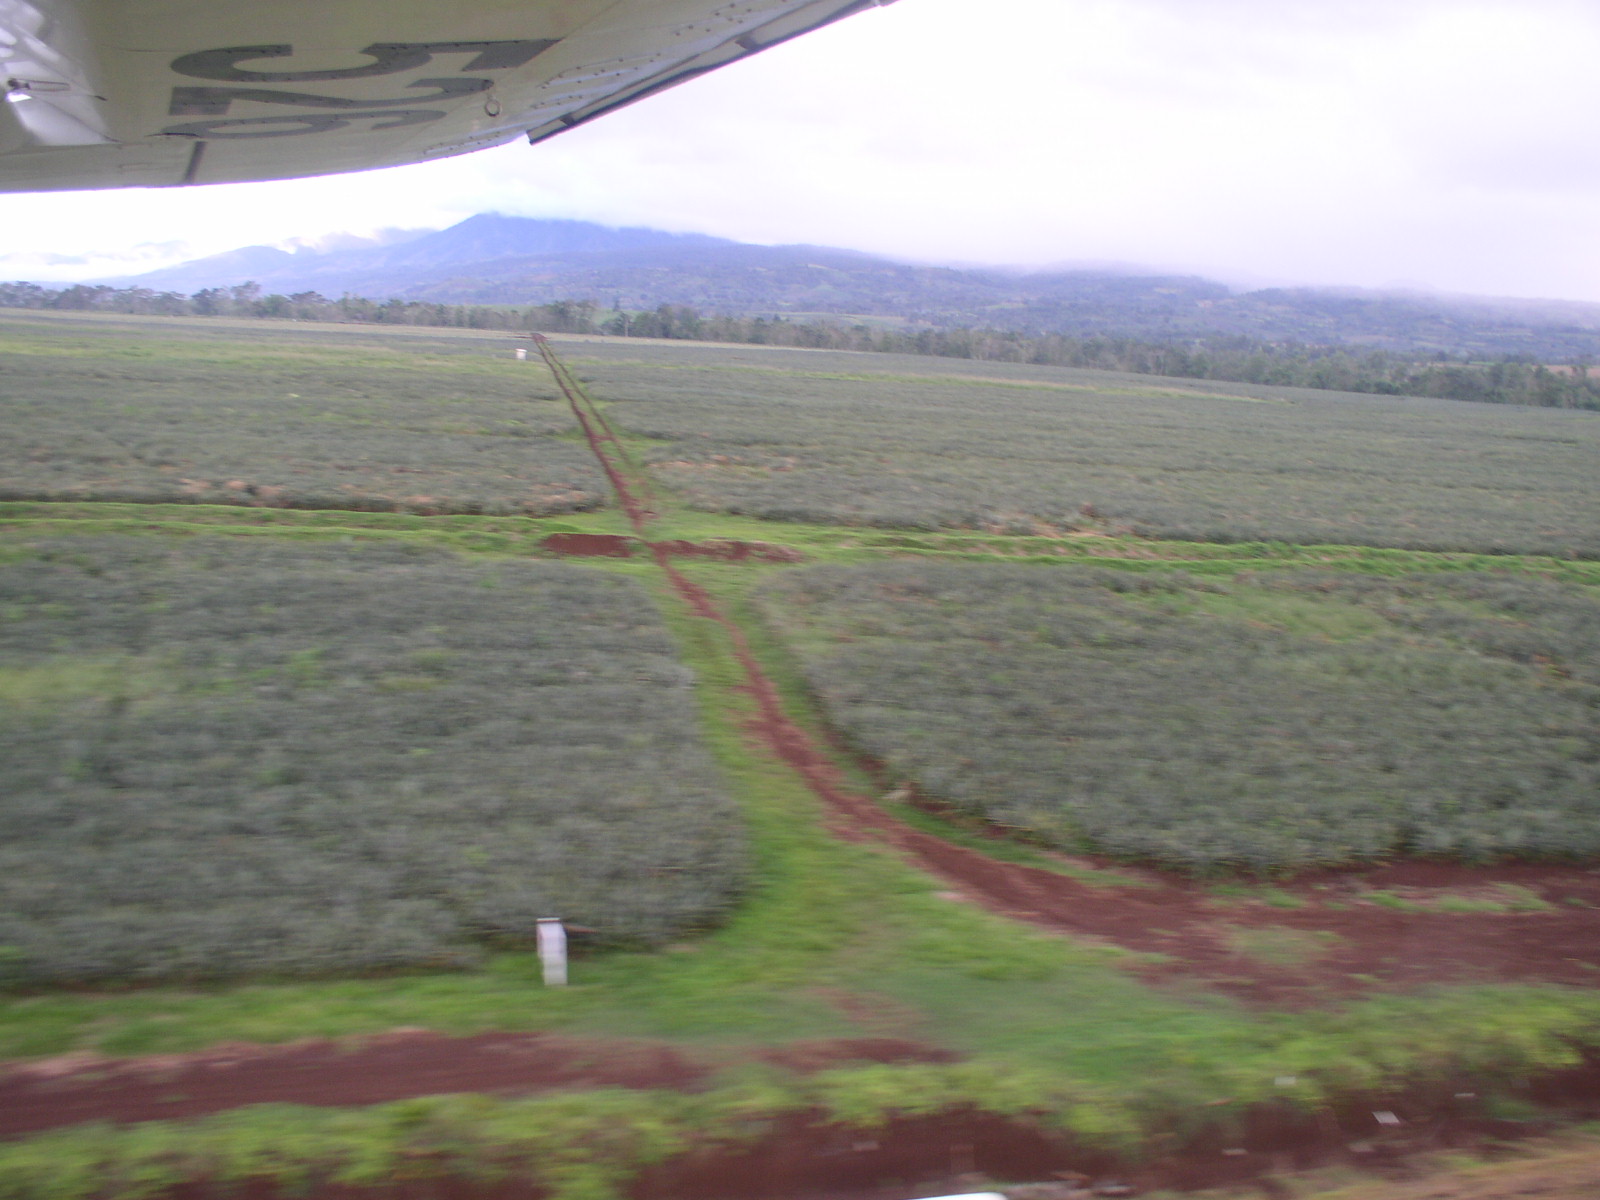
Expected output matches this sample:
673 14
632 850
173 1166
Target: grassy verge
823 918
510 534
590 1145
822 543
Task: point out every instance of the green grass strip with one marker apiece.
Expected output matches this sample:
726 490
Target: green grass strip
590 1145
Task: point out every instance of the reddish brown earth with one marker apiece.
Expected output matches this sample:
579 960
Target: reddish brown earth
1353 936
597 432
964 1152
616 545
74 1088
801 1157
1339 943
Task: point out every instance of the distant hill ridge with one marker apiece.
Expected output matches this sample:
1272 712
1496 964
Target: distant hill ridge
496 259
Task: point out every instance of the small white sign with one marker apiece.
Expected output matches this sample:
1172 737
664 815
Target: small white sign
553 951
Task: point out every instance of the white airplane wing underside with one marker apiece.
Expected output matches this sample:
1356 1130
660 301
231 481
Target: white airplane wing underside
149 93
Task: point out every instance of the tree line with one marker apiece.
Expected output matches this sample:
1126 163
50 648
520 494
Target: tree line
1229 359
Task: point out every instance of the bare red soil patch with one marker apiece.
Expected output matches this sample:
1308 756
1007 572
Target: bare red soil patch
616 545
951 1153
805 1157
1399 925
75 1088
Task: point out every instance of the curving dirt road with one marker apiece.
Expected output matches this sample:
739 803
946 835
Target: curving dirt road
1352 932
1356 943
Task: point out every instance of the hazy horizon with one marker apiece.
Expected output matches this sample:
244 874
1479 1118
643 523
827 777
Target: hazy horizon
1433 146
1239 283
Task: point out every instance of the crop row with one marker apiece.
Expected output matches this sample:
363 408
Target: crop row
1277 722
283 419
228 757
894 441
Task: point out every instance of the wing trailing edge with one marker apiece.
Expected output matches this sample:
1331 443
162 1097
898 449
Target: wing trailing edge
141 93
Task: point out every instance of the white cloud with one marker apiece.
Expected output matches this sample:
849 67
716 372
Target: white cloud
1357 142
46 265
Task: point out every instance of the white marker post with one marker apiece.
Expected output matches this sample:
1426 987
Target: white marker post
522 354
553 951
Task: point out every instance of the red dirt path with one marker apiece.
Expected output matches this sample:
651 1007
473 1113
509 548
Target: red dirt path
1351 943
1339 943
1199 935
74 1088
614 545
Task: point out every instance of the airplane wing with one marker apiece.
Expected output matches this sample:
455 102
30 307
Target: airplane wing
151 93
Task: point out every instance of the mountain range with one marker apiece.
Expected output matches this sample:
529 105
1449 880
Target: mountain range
503 260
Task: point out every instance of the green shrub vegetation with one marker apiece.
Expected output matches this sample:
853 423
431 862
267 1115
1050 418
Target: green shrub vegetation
283 418
229 757
1058 1033
395 420
1321 359
280 743
1270 722
902 442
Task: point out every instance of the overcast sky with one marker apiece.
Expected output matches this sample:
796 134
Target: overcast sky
1447 144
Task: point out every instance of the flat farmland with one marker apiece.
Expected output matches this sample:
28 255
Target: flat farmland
285 789
280 416
438 422
1270 722
240 758
905 442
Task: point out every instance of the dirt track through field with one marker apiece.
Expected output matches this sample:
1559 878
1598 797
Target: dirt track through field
74 1088
1359 944
1337 943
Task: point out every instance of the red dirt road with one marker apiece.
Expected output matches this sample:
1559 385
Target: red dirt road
1342 940
1347 944
1339 943
75 1088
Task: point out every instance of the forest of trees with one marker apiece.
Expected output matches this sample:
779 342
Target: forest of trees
1232 359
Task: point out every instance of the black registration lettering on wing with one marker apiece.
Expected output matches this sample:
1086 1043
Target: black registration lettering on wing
214 101
388 58
299 123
